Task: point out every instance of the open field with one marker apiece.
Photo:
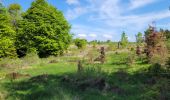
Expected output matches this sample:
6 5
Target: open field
84 50
45 81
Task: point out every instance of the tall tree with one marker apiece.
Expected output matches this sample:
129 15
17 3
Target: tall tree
15 14
124 40
7 35
44 29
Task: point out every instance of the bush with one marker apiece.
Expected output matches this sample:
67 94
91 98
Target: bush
158 59
80 43
130 59
156 50
10 63
30 59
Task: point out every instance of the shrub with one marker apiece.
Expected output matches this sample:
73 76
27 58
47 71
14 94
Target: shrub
91 56
130 59
155 46
80 43
155 69
10 63
30 59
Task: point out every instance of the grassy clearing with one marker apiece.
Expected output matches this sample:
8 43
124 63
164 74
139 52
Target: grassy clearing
57 79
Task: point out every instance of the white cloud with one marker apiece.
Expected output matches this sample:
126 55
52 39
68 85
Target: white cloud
81 35
72 2
75 13
113 17
107 36
140 3
92 35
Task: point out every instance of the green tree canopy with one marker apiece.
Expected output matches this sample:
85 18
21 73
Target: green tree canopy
15 14
44 29
7 35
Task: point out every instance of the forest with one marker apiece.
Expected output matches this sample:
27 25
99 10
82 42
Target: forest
40 59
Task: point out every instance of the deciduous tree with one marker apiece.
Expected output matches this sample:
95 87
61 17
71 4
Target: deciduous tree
44 29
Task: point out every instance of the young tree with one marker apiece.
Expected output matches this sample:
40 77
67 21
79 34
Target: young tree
139 38
156 50
124 40
80 43
7 35
44 29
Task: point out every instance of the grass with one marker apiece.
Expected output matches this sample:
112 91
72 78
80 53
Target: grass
125 82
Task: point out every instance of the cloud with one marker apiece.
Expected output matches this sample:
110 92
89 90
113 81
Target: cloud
81 35
92 35
107 36
72 2
140 3
110 17
75 13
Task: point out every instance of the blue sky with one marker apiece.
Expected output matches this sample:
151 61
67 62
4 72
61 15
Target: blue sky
107 19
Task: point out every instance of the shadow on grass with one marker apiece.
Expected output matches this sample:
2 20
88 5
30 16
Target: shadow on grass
118 86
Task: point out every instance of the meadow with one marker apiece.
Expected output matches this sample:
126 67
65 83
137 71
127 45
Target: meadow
46 56
57 78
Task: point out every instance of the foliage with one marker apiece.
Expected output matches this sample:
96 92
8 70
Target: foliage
15 14
43 28
80 43
124 40
156 50
149 31
130 59
7 35
139 38
127 84
166 33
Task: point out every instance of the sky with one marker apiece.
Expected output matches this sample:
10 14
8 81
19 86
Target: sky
107 19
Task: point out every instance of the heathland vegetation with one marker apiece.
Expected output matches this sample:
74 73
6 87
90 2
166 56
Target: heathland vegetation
40 60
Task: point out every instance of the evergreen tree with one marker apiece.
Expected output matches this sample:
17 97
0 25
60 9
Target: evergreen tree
43 29
139 38
15 14
7 35
124 40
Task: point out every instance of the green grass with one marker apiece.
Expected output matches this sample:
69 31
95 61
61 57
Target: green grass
133 81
